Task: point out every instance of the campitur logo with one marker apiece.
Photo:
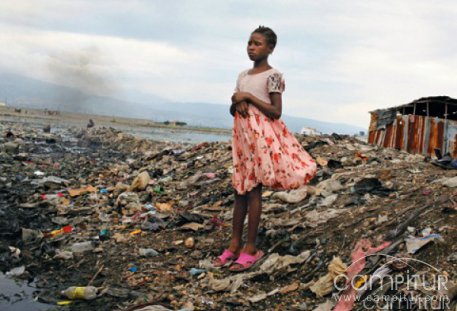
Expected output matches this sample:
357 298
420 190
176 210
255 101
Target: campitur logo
396 285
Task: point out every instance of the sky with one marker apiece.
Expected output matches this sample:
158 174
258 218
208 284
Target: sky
340 59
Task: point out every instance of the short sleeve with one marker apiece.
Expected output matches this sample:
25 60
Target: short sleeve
238 81
275 83
237 86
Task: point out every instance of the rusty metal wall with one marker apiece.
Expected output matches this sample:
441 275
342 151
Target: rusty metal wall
416 134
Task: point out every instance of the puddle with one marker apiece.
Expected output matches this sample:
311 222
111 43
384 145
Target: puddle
173 135
18 296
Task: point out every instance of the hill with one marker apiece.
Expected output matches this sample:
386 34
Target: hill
25 92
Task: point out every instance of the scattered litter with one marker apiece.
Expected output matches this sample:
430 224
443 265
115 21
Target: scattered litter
325 306
414 244
192 226
324 285
362 249
292 196
262 296
66 255
196 272
328 187
315 218
82 247
148 252
16 271
83 292
140 182
275 263
450 182
370 185
189 242
141 221
81 191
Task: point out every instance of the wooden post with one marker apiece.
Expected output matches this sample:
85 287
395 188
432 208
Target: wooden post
428 110
445 132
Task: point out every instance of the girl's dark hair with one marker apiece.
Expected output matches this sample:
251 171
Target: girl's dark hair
268 33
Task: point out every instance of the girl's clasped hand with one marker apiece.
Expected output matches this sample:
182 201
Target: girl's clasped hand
242 108
240 101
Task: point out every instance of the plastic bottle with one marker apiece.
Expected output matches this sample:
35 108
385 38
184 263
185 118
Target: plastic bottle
81 292
66 229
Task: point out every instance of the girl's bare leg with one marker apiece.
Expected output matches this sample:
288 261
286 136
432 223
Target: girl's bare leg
254 198
239 214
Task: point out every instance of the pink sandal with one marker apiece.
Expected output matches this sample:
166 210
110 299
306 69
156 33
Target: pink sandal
227 257
245 261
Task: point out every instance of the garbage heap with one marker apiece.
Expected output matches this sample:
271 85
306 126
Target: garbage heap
101 220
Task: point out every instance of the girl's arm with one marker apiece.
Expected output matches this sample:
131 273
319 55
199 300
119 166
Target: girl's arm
241 108
232 109
273 110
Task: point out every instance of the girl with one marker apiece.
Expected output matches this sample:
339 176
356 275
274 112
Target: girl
264 151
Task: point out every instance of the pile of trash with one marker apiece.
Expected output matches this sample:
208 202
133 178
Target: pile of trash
101 220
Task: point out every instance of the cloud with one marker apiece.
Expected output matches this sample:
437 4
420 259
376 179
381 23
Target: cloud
392 53
340 59
88 61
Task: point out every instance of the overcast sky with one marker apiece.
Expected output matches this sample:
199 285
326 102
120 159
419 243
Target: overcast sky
340 59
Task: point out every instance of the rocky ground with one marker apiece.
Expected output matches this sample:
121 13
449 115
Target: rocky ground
141 220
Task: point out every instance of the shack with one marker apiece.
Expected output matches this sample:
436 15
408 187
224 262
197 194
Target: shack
418 127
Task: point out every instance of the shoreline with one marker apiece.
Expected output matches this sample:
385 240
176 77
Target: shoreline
42 116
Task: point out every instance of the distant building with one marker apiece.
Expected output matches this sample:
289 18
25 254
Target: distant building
418 127
175 123
309 131
2 104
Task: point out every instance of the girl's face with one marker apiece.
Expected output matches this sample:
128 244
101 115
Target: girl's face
258 47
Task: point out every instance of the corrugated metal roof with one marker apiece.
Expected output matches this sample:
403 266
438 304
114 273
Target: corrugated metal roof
423 100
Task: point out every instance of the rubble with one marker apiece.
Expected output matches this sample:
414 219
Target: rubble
140 221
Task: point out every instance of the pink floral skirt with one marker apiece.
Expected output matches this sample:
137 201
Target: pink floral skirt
266 152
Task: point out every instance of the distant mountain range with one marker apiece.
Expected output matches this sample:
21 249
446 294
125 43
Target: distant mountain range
20 91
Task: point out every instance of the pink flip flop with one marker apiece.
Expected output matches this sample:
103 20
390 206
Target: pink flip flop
245 261
227 257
